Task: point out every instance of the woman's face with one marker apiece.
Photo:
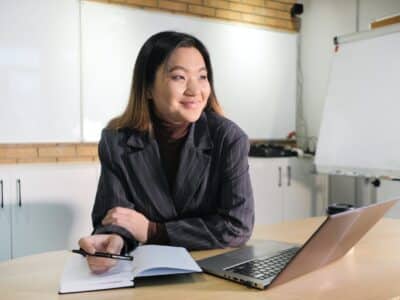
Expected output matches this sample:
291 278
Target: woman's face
181 88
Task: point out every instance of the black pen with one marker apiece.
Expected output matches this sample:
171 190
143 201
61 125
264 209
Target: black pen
103 254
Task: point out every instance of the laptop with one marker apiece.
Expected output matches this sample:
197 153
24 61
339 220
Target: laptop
270 263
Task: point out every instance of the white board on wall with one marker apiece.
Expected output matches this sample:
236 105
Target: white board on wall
360 125
255 68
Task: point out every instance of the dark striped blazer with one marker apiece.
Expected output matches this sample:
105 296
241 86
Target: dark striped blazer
212 203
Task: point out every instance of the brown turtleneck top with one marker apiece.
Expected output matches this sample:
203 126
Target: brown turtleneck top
170 138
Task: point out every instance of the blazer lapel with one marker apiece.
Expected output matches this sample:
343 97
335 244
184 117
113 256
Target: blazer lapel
194 163
147 168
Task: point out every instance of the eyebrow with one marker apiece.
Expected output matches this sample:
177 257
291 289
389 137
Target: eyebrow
177 67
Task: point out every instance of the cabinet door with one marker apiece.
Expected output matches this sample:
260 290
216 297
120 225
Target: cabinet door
305 192
52 206
5 215
266 178
298 194
390 190
39 71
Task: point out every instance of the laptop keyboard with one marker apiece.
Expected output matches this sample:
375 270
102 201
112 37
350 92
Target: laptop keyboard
263 268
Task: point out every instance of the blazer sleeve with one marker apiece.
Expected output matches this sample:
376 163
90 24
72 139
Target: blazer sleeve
110 193
233 223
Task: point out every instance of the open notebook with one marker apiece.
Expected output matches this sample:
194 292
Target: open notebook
149 260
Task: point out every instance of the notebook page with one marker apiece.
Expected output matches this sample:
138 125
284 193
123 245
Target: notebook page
150 260
78 277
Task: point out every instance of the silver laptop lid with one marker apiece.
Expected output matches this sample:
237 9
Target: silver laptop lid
333 239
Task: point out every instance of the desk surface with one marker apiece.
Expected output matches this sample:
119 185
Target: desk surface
369 271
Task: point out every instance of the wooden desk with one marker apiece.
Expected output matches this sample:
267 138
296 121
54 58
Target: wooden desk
370 271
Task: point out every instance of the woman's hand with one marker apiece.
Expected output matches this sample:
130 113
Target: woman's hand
111 243
136 223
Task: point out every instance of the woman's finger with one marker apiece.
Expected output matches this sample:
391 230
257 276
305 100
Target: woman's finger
124 222
115 244
110 243
99 264
122 210
117 219
117 211
110 217
87 244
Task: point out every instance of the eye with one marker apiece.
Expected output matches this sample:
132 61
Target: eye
178 77
203 77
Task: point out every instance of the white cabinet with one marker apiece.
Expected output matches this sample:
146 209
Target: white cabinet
39 71
5 217
49 206
390 190
286 189
266 180
303 191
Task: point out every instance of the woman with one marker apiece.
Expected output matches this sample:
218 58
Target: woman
173 169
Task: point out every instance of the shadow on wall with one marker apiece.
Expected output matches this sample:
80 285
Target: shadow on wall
41 227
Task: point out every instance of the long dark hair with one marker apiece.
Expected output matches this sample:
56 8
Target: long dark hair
155 51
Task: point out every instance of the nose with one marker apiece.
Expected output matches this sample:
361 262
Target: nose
192 88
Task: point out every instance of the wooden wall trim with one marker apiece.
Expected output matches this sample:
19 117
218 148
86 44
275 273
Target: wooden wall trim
385 22
48 153
265 13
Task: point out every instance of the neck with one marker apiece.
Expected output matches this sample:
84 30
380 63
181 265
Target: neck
169 131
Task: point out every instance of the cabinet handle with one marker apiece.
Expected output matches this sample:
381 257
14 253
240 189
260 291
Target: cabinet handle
2 195
19 192
280 176
289 174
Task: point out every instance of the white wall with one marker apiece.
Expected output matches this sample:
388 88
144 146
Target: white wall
254 67
321 21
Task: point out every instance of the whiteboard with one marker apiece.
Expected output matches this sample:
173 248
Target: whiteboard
360 130
255 68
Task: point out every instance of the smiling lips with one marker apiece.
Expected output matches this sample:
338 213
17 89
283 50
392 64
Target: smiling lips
191 104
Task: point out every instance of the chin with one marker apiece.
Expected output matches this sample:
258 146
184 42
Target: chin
191 117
